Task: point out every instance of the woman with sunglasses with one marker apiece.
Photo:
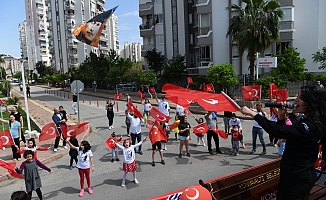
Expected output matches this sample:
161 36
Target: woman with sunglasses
297 173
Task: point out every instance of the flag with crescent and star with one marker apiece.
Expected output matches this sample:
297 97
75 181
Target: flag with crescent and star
251 92
6 139
158 115
49 131
200 128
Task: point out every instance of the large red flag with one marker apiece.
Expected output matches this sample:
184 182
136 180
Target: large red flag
281 95
200 128
49 131
272 88
221 133
217 102
210 88
142 95
190 80
251 92
156 133
178 98
134 109
110 143
6 139
11 168
158 115
117 96
187 111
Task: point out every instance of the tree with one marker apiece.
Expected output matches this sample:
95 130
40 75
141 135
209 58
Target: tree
289 65
1 58
255 27
155 61
148 78
40 68
132 74
320 57
223 75
175 69
18 75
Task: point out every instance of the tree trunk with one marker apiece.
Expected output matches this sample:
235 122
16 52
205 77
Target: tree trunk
252 71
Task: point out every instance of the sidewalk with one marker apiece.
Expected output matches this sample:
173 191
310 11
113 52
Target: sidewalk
41 114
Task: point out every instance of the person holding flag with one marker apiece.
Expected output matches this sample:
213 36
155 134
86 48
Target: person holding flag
184 135
155 138
56 117
109 112
212 125
135 129
147 107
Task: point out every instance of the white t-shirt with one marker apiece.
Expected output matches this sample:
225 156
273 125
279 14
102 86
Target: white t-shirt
135 124
147 106
255 123
128 153
179 110
82 162
237 122
164 107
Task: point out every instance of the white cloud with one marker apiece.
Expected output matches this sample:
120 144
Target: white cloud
132 13
124 27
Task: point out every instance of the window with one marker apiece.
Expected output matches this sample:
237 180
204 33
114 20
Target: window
204 25
190 18
281 46
235 51
192 58
159 39
191 39
159 18
205 53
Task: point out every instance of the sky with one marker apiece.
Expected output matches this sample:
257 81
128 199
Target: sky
12 13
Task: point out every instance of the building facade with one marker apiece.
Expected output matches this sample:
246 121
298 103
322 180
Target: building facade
132 51
63 17
113 34
11 65
197 29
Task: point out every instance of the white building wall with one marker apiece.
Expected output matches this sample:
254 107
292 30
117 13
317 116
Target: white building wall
168 29
181 28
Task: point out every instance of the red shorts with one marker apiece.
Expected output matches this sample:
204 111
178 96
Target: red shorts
130 167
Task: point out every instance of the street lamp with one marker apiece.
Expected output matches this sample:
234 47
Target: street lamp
25 94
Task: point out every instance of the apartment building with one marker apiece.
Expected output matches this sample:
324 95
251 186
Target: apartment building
66 15
197 29
132 51
113 33
33 34
11 65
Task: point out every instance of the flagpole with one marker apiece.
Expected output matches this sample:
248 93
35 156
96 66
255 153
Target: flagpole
25 96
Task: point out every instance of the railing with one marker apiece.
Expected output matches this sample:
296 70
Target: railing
204 30
201 1
146 47
285 25
146 26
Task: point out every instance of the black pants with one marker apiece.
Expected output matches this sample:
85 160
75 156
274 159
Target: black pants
38 192
57 139
28 93
272 139
110 118
15 155
210 134
72 158
23 136
293 189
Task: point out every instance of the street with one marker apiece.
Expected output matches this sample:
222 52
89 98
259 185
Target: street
177 173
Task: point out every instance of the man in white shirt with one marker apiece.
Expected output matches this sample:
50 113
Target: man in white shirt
179 110
258 130
163 106
135 129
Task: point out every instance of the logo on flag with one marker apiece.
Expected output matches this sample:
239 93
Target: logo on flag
200 128
251 92
158 115
117 96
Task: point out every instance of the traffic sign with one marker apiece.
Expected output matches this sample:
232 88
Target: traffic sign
77 86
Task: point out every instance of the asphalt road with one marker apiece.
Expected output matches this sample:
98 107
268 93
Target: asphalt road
177 173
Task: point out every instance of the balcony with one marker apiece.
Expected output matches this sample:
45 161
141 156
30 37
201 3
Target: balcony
146 9
70 6
72 45
146 29
74 64
201 1
146 47
101 2
73 55
286 25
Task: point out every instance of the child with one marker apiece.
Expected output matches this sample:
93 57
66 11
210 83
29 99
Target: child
200 137
115 152
176 129
31 145
165 128
129 163
73 153
85 160
31 175
281 142
236 137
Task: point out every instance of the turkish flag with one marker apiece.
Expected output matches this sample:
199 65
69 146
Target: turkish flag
6 139
142 95
158 115
221 133
110 143
251 92
68 130
210 88
11 168
272 88
281 95
49 131
132 108
187 111
117 96
156 133
179 98
149 123
190 80
218 103
200 128
152 90
174 125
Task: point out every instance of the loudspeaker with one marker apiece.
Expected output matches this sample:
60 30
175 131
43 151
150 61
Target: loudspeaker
227 114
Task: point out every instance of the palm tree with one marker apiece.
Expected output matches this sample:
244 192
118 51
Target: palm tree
255 27
1 58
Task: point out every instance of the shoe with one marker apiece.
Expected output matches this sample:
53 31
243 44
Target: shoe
128 135
165 149
70 167
219 151
244 146
237 154
271 144
204 145
211 152
180 155
110 128
81 193
136 181
117 159
123 184
3 148
65 147
252 151
141 153
162 162
198 144
112 160
275 145
90 191
231 150
263 153
55 150
153 164
188 154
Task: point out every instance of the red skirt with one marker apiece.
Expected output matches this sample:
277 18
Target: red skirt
130 167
